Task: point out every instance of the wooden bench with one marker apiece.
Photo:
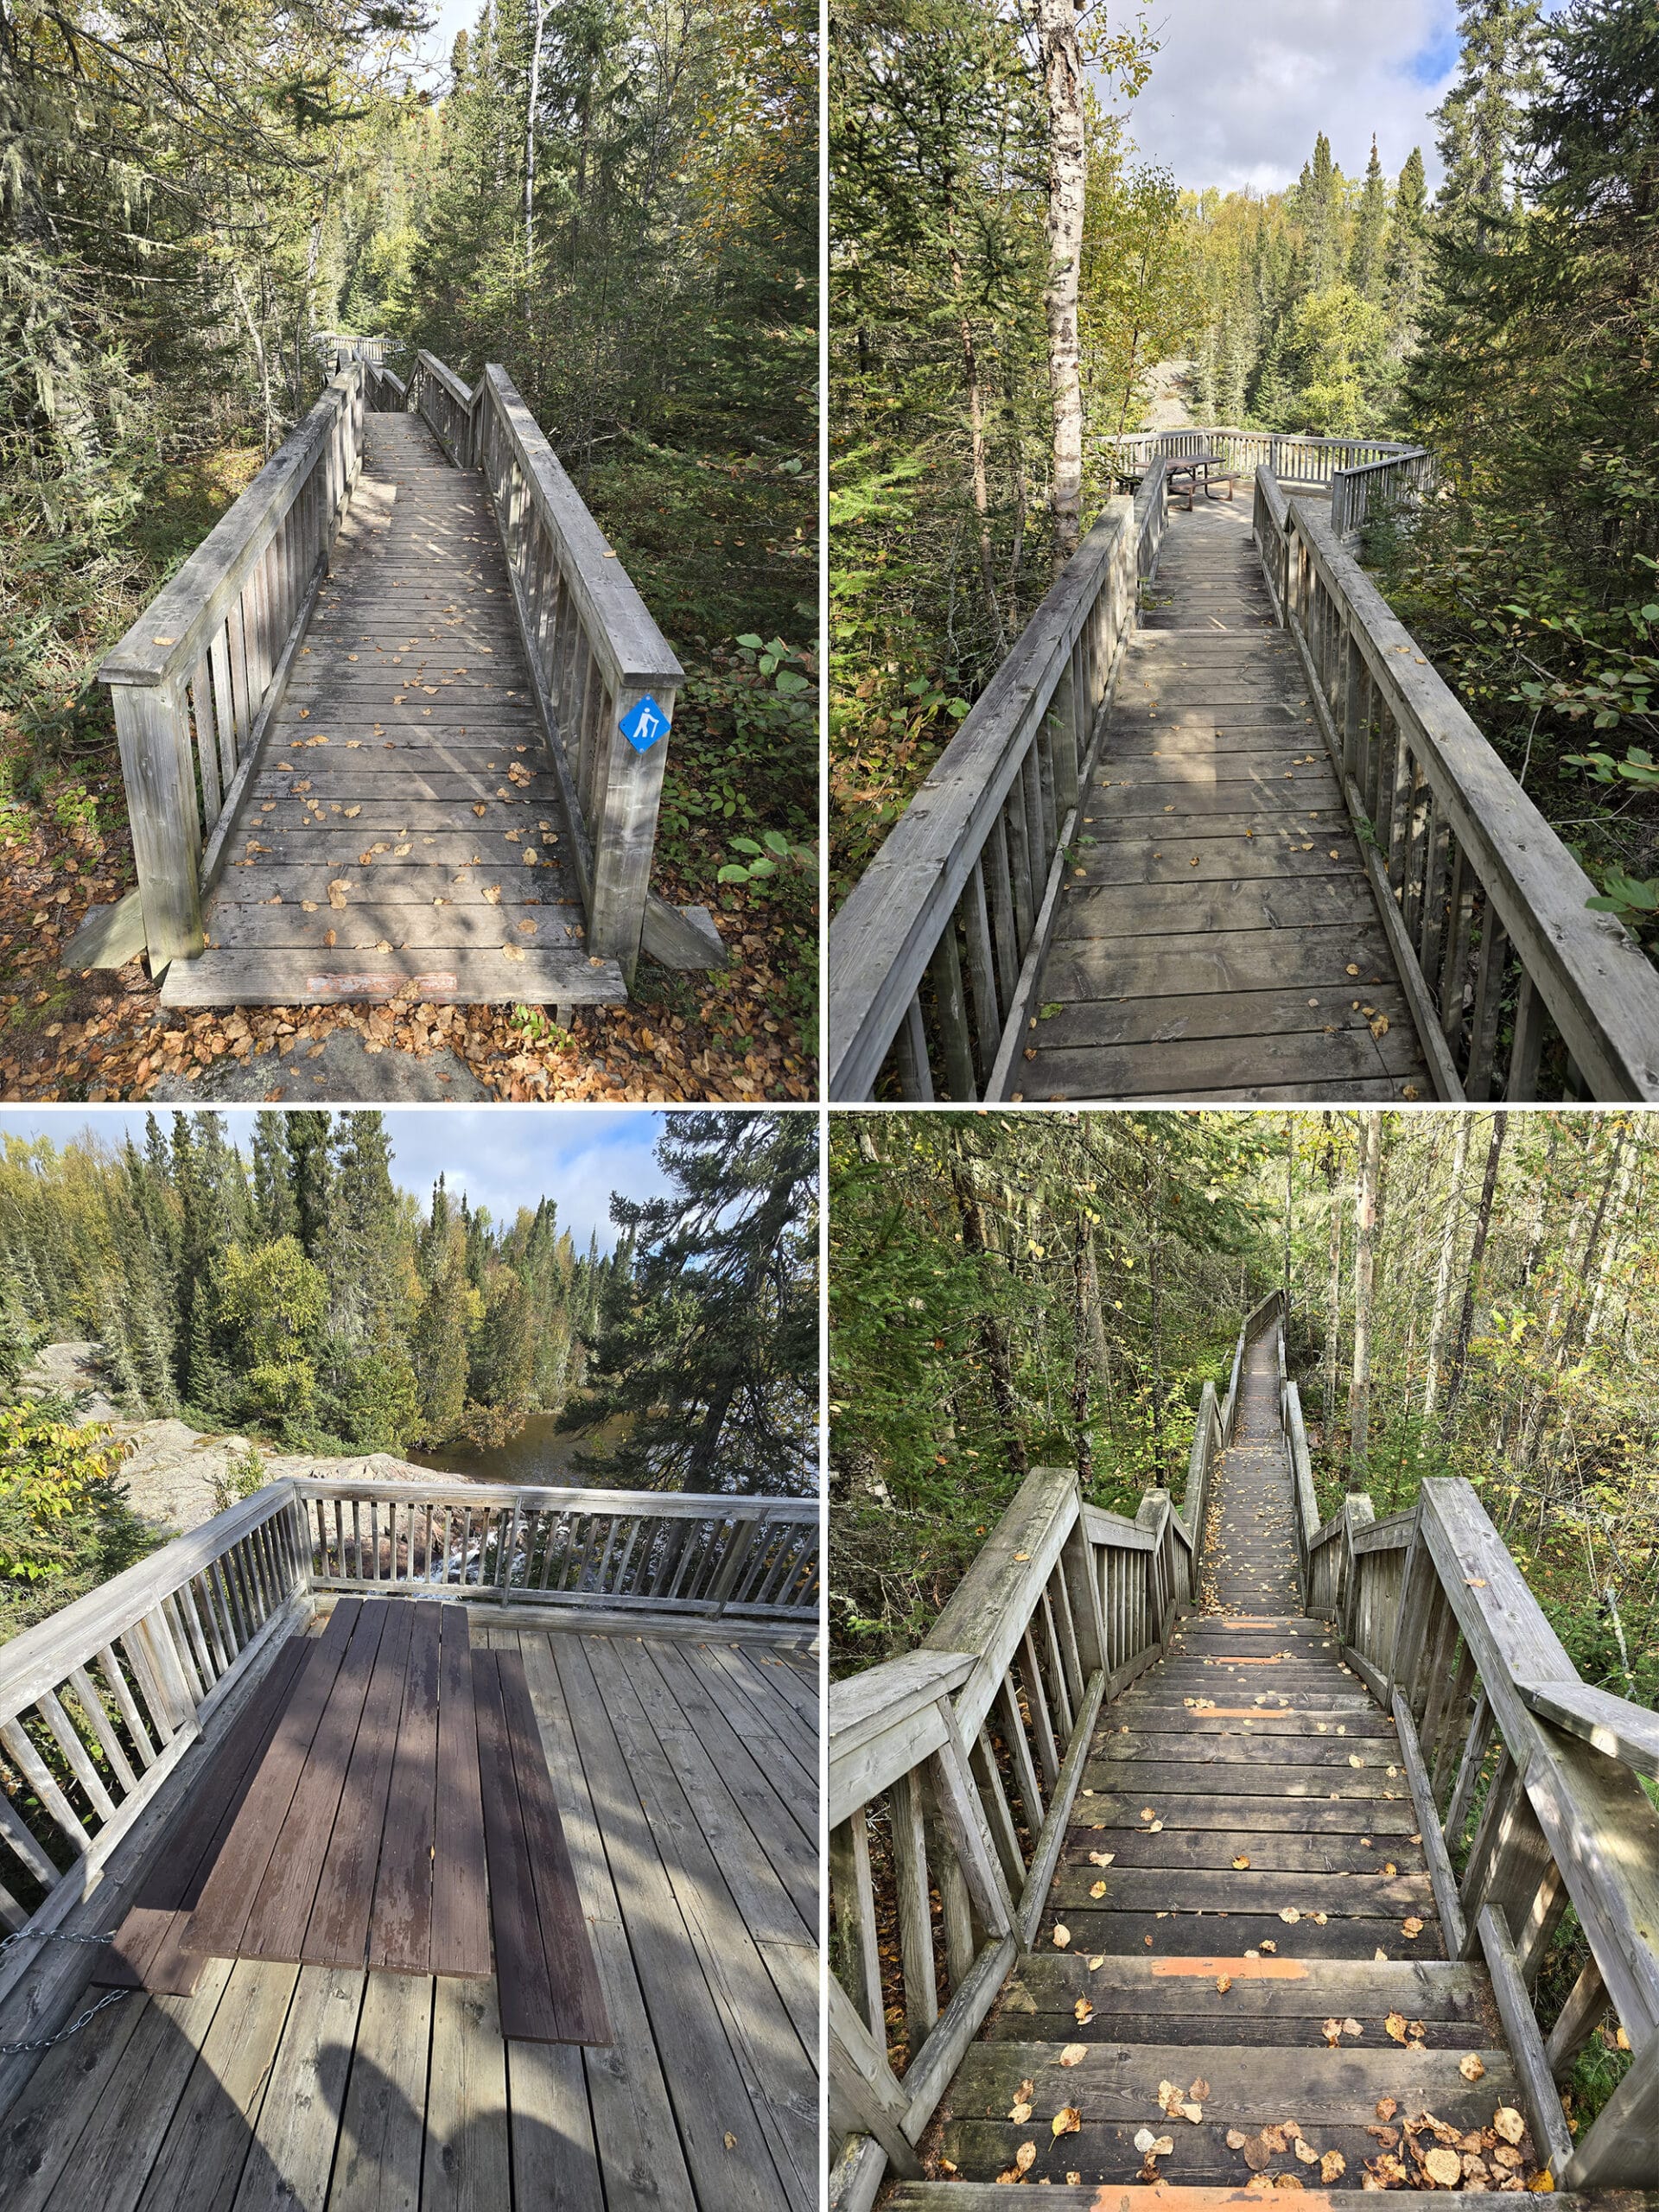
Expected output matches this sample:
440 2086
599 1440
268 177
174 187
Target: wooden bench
383 1801
1198 468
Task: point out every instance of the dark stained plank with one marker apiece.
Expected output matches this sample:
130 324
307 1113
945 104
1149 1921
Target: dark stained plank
221 1914
338 1927
461 1913
578 2001
276 1925
147 1953
521 1968
400 1924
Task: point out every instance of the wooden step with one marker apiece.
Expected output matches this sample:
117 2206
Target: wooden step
469 976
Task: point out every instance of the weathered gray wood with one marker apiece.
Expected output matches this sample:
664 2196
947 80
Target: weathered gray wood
109 936
1586 2008
1440 1866
885 1721
1626 1731
988 1612
1046 1856
1542 2099
1600 990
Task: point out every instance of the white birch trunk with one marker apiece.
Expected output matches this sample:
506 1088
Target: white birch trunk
1056 23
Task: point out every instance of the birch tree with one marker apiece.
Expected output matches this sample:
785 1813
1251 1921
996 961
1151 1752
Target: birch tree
1443 1274
1062 58
1359 1381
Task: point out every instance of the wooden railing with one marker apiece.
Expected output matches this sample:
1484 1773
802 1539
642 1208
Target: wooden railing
936 956
197 678
384 391
954 1769
1294 458
752 1559
101 1704
597 659
1528 1777
1515 989
1359 493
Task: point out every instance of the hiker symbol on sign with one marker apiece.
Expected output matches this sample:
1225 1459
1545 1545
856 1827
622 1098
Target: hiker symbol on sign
643 725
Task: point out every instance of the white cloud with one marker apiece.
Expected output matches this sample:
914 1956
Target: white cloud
1238 93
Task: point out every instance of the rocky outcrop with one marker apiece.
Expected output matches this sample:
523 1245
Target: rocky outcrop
170 1469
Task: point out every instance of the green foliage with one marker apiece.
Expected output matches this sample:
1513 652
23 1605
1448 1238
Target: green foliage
243 1473
707 1349
65 1523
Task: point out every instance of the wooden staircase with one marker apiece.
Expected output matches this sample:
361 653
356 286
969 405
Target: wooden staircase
1217 1949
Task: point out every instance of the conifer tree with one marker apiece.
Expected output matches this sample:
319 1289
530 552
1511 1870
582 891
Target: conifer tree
1482 118
1367 258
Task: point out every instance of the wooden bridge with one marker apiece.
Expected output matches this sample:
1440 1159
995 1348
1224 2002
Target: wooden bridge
1221 1850
261 1762
1216 830
400 722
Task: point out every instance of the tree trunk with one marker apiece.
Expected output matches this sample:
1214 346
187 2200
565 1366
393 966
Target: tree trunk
1080 1335
1333 1325
269 416
1290 1164
1056 23
1443 1277
976 434
1359 1383
1619 1174
534 96
1476 1254
1156 1273
992 1336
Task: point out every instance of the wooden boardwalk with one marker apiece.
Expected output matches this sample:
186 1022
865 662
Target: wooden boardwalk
1248 1909
400 824
685 1770
1218 938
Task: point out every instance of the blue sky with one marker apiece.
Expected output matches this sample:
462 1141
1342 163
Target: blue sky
502 1157
1239 92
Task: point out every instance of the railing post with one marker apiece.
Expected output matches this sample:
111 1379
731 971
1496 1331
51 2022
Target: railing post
627 788
152 727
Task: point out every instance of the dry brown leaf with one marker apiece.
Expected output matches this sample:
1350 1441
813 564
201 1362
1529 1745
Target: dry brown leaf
1240 1862
1199 2089
1020 2113
1223 1983
1306 2151
1236 2141
1267 1945
1471 2067
1148 1813
1395 2025
1062 1937
1352 2027
1411 1927
1083 2011
1509 2123
1102 1858
1332 2166
1025 2157
1068 2121
1387 2107
1289 1915
1443 2168
1333 2032
1074 2054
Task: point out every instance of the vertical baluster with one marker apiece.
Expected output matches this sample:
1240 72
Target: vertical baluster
972 913
1527 1046
1039 838
1489 998
951 1015
995 863
910 1050
1024 868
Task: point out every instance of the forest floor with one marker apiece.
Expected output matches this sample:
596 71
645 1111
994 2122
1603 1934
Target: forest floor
747 1031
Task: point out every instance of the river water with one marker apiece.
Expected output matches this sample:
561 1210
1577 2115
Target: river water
539 1455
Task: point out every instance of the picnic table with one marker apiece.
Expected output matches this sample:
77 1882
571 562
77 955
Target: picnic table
1198 469
383 1801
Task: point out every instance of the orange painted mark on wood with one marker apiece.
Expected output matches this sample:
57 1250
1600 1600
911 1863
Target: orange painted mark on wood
1240 1969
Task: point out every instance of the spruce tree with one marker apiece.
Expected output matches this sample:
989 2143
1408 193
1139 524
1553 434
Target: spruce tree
1405 264
708 1342
1482 118
1367 259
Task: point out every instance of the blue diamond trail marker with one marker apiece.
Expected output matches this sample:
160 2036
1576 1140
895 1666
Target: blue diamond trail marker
644 725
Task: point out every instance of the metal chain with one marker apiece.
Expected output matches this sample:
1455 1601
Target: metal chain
58 1935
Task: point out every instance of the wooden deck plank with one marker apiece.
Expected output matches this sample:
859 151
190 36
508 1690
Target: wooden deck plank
339 1926
400 1921
770 1802
523 1973
578 2002
754 1712
461 1913
382 2120
41 2131
116 2144
198 2166
460 976
550 2131
776 2072
216 1926
466 2167
736 1811
292 2155
710 2091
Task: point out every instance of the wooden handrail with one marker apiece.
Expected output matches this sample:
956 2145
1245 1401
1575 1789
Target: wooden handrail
937 954
197 678
1294 457
1434 1613
1358 491
1483 907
